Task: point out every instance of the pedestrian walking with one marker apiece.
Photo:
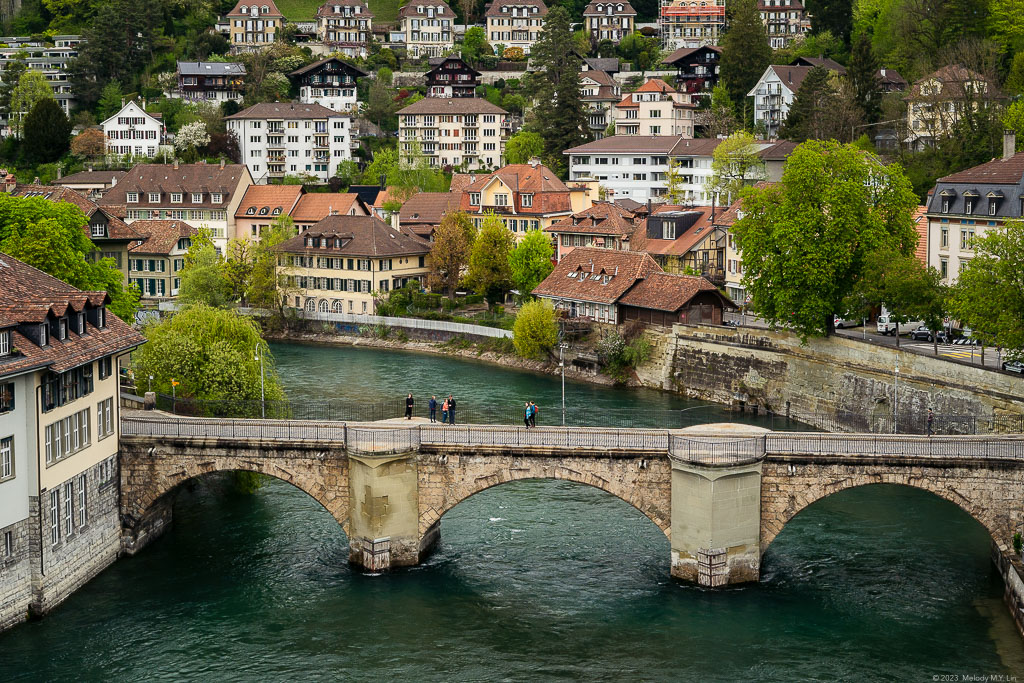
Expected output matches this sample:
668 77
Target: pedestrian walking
408 407
930 418
433 408
451 409
444 412
526 415
533 414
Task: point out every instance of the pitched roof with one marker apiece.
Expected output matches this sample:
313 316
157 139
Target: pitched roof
452 105
436 63
666 292
599 77
286 110
132 104
999 171
615 271
117 229
550 195
91 178
428 208
161 236
791 76
326 9
186 178
684 53
495 8
597 7
30 295
409 8
921 226
951 80
315 206
265 199
891 77
655 85
603 218
461 181
211 69
607 64
361 236
826 62
272 12
695 224
316 65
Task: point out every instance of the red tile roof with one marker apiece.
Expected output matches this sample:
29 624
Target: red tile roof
426 209
550 195
602 218
666 292
597 275
185 178
696 233
117 229
269 197
366 236
274 13
161 236
952 80
31 296
1000 171
315 206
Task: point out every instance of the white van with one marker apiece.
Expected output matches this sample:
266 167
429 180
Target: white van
886 325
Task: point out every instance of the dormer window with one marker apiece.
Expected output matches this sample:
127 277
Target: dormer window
991 207
527 200
968 206
474 199
80 322
251 211
154 197
945 205
244 9
62 328
264 211
197 197
98 230
175 198
44 335
216 197
184 243
132 198
277 211
5 343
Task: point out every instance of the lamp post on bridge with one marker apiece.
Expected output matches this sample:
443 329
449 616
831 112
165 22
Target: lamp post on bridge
263 400
561 364
895 396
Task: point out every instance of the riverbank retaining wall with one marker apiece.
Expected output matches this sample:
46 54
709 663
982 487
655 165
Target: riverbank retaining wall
847 378
1011 568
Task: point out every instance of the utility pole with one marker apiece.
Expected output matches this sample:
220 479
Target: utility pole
561 364
263 399
895 396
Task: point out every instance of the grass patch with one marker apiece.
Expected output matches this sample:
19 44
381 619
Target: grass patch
305 10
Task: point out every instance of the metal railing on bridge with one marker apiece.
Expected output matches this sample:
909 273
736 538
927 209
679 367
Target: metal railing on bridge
1010 447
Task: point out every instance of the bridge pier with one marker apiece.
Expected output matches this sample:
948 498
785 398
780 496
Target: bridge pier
716 523
384 513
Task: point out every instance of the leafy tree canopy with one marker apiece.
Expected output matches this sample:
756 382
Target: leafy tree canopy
535 332
489 271
523 146
530 262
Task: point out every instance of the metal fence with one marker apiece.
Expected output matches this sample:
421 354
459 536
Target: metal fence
896 445
408 323
593 439
713 450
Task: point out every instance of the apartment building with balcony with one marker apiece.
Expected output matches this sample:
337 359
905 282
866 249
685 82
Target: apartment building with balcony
330 83
785 21
277 139
254 25
774 93
451 77
156 262
209 81
691 23
966 205
204 195
600 93
427 27
655 108
49 57
345 26
132 132
515 23
696 69
609 20
461 132
339 264
60 351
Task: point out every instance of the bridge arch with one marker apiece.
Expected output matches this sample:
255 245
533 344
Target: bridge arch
780 507
652 498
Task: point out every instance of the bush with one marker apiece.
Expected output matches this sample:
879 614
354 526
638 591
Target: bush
535 331
618 355
474 299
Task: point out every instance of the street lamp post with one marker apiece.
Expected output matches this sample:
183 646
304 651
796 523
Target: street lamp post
561 364
263 400
895 396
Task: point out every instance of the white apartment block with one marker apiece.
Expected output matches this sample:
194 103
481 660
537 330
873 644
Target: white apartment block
287 138
345 26
132 132
515 23
427 28
49 59
460 132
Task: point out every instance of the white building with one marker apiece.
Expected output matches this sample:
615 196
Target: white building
329 82
427 27
609 19
655 108
288 138
132 132
515 23
466 132
50 60
637 166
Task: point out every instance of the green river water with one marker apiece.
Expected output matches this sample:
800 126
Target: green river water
531 581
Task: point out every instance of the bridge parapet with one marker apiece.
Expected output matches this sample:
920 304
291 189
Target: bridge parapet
896 445
382 440
716 451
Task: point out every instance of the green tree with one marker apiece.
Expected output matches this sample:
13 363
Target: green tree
745 50
203 279
348 173
523 146
32 88
811 108
835 16
806 239
535 331
450 251
111 99
47 132
211 353
720 114
1014 80
735 163
641 51
474 45
268 285
559 115
489 271
237 269
12 74
863 77
530 262
1013 119
674 193
51 236
988 296
380 103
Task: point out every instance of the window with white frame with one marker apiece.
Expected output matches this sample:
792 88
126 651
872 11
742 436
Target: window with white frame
197 197
132 198
69 508
154 197
83 492
7 458
55 516
105 418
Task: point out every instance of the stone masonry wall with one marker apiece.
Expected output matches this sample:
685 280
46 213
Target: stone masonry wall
772 370
15 575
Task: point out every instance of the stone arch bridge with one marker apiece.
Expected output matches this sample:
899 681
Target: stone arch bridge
720 496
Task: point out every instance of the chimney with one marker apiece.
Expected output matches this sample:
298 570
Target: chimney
175 163
534 161
1009 144
222 162
882 72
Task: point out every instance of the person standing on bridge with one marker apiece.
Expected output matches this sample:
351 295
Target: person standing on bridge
433 408
930 418
533 414
408 407
527 414
444 412
451 409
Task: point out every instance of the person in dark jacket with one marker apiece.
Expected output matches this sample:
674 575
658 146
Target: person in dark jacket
451 409
433 408
526 415
533 414
408 407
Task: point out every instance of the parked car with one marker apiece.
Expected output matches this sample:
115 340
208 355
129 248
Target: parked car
924 334
1014 366
841 322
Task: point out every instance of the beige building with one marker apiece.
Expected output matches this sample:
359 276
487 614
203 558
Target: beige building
339 264
345 26
609 20
155 265
515 23
937 101
459 132
254 25
655 108
691 23
427 27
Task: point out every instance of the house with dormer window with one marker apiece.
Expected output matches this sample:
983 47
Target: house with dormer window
60 353
609 20
936 102
515 23
605 225
156 262
345 26
254 25
427 27
966 205
599 92
655 108
330 82
209 81
451 77
132 132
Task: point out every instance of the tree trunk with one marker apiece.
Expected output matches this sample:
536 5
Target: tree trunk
897 334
